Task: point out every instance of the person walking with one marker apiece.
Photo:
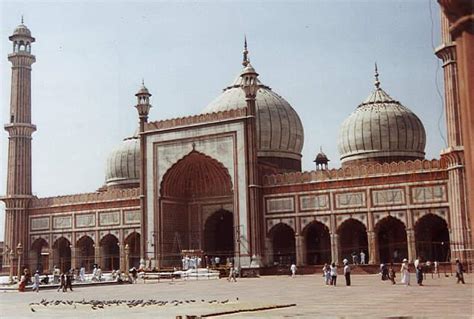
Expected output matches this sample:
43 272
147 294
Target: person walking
327 274
56 274
69 277
333 271
82 274
347 272
36 281
391 274
293 270
362 257
436 268
419 273
459 272
405 272
232 274
99 273
62 282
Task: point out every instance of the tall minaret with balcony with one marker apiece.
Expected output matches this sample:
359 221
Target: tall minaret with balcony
20 129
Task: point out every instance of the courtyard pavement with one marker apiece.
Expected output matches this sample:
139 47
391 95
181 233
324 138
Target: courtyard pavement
368 297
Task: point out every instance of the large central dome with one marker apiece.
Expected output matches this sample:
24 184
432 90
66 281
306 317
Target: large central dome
279 130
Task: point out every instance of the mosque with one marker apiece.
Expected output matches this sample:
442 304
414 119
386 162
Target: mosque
228 182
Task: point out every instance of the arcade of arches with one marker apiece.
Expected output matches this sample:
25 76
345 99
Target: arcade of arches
390 243
194 182
108 254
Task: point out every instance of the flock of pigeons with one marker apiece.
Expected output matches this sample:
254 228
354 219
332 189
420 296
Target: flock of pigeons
101 304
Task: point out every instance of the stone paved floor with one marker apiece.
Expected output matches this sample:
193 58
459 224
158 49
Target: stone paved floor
368 297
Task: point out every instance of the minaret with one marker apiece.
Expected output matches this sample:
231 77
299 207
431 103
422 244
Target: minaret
19 129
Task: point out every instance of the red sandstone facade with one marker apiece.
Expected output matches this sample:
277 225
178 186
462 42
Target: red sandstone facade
204 186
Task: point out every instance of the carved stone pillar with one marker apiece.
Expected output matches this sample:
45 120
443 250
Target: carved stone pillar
269 251
98 255
411 245
122 266
335 247
373 247
299 249
75 256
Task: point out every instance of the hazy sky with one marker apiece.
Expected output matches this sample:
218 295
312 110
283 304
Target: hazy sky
319 55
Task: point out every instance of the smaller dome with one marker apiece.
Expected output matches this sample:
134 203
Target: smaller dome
143 90
123 164
321 158
22 30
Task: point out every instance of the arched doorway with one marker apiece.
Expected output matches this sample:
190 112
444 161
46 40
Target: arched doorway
219 235
432 238
317 244
133 242
86 252
283 243
392 240
110 252
194 181
39 255
352 239
62 254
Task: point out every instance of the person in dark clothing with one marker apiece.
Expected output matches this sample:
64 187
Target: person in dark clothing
391 274
62 282
69 277
419 274
459 272
347 272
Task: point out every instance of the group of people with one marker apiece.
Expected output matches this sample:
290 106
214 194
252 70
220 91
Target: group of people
330 273
193 262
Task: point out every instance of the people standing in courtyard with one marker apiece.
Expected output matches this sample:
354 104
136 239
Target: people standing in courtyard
56 274
82 273
333 270
391 274
327 274
232 275
405 272
362 257
347 272
69 277
419 273
459 272
293 270
62 282
36 281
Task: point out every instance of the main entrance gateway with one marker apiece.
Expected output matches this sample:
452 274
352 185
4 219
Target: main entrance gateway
189 188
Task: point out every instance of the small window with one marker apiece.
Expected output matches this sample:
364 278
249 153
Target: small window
12 118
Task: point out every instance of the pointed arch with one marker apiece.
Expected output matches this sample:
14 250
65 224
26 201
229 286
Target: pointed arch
85 252
432 238
352 239
282 238
317 243
391 239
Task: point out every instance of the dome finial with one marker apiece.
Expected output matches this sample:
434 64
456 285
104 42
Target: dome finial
245 61
143 81
21 19
377 82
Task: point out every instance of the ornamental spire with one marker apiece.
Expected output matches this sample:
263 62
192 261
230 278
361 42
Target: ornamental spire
21 19
245 61
377 82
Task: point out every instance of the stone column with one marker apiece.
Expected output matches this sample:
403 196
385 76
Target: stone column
299 249
373 247
269 251
50 260
335 247
411 245
75 256
98 255
122 266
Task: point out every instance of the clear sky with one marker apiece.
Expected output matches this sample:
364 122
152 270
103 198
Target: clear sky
319 55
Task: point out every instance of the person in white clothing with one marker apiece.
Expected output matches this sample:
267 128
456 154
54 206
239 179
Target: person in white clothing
293 270
333 274
405 272
362 257
36 281
82 273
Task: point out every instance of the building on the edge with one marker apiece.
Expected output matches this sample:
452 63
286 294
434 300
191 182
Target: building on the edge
228 182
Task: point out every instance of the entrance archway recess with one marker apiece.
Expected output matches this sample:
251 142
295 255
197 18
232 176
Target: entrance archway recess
39 256
219 235
62 254
352 239
317 243
193 181
432 238
86 250
392 240
110 252
283 244
133 242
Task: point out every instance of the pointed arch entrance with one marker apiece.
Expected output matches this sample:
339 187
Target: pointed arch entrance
86 250
283 244
110 252
192 184
432 238
353 239
317 243
133 242
39 256
62 254
392 240
219 235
